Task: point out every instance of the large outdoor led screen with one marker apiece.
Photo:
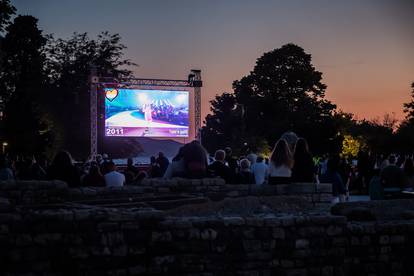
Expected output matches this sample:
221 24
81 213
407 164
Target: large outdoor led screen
149 113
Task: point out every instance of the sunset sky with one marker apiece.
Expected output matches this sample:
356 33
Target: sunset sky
365 48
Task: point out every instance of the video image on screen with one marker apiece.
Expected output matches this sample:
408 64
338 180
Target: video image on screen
149 113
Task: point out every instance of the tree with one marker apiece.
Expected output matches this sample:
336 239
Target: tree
283 92
350 147
405 133
409 107
22 82
69 62
6 11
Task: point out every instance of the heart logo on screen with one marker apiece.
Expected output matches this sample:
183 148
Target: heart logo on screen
111 94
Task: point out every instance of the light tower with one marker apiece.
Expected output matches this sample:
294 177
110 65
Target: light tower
195 81
93 86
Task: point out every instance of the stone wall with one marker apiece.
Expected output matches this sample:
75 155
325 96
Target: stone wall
101 241
48 229
40 192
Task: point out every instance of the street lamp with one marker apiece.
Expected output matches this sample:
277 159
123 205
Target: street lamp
5 144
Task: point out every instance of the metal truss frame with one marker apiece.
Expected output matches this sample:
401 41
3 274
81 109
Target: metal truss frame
194 81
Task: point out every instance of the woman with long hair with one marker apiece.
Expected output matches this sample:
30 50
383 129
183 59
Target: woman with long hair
94 177
303 169
62 168
281 163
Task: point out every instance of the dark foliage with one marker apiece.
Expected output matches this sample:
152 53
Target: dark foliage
283 92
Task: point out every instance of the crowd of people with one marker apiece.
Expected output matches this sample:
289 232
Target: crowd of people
290 161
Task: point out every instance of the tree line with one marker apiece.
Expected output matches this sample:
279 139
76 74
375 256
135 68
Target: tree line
284 92
44 84
44 99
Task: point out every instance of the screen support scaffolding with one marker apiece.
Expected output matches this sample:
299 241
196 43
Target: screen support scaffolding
194 81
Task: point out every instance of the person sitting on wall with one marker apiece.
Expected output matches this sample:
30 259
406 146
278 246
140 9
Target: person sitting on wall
195 160
218 168
62 168
259 169
190 162
177 167
114 178
303 169
94 178
245 176
281 161
231 161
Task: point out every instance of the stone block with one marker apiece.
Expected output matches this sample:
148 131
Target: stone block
285 263
233 221
254 221
397 239
249 232
161 236
311 231
334 230
302 244
208 234
252 245
384 239
278 233
327 271
272 221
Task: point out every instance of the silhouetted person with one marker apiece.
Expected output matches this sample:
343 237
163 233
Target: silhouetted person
408 174
195 160
24 169
245 176
281 162
62 168
130 172
259 169
155 170
231 161
303 168
94 178
163 162
114 178
218 168
6 172
332 176
177 167
39 168
374 189
105 164
392 176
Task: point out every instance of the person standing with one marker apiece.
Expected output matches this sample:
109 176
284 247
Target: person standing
392 177
408 174
332 176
